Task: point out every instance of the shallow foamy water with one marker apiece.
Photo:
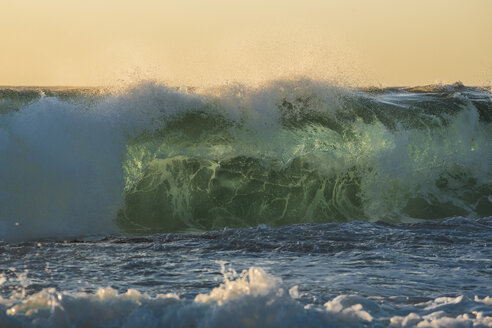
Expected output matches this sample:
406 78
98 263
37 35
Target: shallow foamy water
339 274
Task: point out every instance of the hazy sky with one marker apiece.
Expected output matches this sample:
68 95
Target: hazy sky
195 42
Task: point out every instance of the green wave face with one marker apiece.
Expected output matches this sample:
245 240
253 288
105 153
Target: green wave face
182 193
292 154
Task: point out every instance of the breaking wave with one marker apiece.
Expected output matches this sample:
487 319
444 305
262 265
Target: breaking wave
155 159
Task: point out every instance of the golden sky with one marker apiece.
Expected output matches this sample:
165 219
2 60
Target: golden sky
201 42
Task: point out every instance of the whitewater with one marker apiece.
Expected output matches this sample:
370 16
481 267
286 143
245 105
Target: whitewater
292 203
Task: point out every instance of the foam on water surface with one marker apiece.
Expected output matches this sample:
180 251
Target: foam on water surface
361 274
251 299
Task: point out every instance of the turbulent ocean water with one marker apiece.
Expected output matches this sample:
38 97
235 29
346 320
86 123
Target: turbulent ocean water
290 204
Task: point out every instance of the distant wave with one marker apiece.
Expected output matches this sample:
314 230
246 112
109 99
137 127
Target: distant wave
155 159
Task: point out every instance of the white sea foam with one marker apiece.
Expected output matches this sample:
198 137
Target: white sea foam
250 299
60 162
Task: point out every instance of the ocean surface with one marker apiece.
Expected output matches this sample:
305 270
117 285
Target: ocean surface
295 203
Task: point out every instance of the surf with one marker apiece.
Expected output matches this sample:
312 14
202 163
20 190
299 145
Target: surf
150 158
